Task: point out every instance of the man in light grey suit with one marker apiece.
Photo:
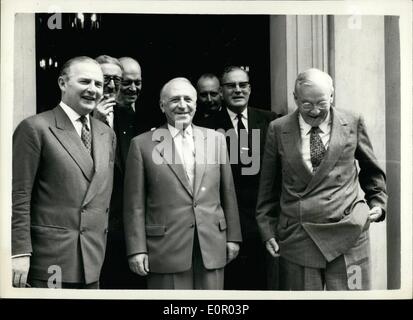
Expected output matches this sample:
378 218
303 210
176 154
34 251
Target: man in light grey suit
310 208
180 210
62 181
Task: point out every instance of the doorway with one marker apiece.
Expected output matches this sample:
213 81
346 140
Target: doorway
165 45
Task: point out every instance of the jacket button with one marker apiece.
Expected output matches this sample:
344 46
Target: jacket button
195 204
106 230
107 210
192 225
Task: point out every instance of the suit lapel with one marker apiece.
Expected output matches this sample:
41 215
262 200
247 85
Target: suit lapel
200 156
255 122
171 157
291 141
100 151
338 137
70 140
224 121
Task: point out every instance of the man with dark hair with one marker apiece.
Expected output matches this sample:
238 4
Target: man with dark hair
250 126
62 180
209 99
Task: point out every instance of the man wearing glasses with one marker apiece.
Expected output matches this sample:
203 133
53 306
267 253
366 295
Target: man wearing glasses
310 208
237 117
122 85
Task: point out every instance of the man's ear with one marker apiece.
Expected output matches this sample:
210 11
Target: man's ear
61 81
220 93
332 96
161 106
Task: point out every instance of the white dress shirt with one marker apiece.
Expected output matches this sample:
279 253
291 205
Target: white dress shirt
185 149
305 128
74 118
234 118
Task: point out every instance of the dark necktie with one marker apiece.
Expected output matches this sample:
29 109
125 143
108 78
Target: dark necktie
85 134
317 149
242 142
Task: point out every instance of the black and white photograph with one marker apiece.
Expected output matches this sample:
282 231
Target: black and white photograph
206 150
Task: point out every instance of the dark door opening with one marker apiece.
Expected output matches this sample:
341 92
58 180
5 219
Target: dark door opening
165 45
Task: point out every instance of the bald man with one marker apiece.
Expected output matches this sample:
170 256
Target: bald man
180 209
310 208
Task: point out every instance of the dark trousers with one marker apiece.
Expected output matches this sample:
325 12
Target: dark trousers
253 269
115 272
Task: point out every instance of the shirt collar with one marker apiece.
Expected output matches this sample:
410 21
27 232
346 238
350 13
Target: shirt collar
174 131
72 114
304 126
233 115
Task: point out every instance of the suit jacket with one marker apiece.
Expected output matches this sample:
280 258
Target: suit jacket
60 196
162 211
246 186
317 218
125 127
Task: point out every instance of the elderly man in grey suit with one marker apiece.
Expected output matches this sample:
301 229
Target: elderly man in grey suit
310 208
62 181
180 210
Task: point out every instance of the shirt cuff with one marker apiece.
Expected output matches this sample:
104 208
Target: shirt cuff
21 255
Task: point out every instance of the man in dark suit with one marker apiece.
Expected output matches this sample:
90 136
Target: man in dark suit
310 207
121 117
62 180
249 270
180 211
209 98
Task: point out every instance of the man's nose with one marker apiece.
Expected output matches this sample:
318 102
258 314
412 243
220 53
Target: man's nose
111 84
92 87
237 88
209 98
132 87
315 111
182 103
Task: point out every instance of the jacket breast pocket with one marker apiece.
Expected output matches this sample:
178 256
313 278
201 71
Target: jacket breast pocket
155 230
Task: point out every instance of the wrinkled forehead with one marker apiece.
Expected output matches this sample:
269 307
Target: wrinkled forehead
235 76
110 69
208 84
179 88
313 87
132 69
85 69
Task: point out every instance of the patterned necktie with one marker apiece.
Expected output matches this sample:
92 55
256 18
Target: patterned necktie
188 158
85 134
317 149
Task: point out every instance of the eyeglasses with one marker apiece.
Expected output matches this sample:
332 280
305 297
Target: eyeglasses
129 83
116 80
233 85
307 106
